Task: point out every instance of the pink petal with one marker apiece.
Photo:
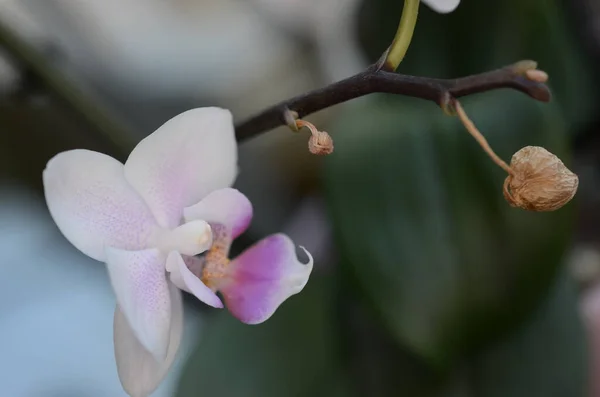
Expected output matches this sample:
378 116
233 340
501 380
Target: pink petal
139 281
191 155
186 280
93 205
139 371
228 207
263 277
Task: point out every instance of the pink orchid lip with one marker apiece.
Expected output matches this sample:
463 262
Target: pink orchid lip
259 280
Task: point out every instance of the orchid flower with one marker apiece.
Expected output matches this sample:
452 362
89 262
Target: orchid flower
147 220
442 6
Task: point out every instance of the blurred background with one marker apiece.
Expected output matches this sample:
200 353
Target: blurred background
426 282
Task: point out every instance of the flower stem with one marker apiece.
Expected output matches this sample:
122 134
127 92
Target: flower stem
403 37
470 126
374 80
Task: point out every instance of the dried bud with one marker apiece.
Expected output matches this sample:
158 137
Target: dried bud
320 143
539 181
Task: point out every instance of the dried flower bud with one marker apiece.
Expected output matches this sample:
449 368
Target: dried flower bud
320 143
539 181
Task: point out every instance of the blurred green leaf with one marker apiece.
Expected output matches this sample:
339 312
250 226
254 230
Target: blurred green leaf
546 358
420 219
379 365
295 353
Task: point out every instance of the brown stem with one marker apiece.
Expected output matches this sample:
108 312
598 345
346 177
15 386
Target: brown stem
376 80
479 138
313 130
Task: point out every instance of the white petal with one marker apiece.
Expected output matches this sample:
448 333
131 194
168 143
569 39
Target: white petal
193 263
142 290
93 205
228 207
189 282
191 155
139 372
442 6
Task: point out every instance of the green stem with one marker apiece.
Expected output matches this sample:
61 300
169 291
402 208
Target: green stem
399 46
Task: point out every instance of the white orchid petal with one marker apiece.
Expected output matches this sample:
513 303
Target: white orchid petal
181 275
139 372
193 263
191 155
93 205
142 290
228 207
442 6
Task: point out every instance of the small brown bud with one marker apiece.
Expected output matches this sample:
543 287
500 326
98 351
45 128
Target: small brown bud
523 66
320 143
539 181
539 76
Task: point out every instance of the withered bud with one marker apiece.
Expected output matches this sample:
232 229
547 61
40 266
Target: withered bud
539 181
320 143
